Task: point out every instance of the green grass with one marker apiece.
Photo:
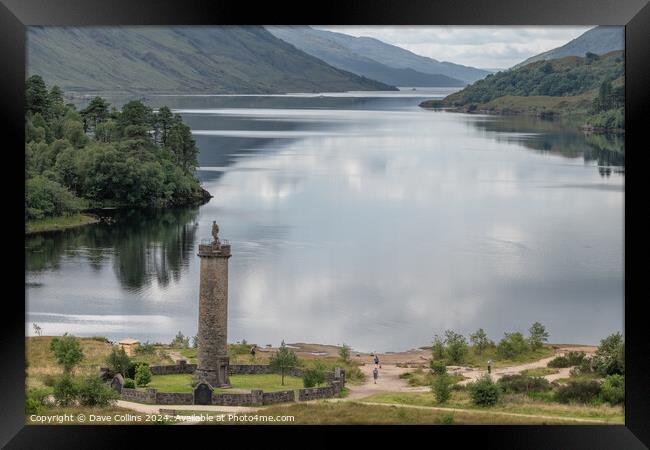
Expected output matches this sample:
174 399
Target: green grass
421 377
58 223
587 376
520 404
42 367
539 371
266 382
354 413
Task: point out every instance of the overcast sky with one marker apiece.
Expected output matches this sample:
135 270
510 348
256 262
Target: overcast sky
484 47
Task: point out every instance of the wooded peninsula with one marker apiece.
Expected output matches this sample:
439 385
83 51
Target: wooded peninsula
101 157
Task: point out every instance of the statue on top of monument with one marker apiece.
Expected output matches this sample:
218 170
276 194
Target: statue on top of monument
215 231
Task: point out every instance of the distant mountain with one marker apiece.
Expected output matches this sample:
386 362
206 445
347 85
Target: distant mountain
376 59
192 59
598 40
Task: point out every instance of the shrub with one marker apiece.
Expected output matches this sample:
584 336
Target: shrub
93 392
129 383
314 375
578 391
47 198
344 353
558 362
570 359
613 389
519 384
142 375
456 346
538 335
441 388
65 390
119 362
480 341
438 348
446 419
180 341
438 367
609 358
484 392
35 399
145 348
67 351
512 345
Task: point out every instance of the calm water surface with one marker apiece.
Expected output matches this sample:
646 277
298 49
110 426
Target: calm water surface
358 218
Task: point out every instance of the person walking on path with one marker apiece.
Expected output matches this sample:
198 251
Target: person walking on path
489 364
375 374
253 350
376 360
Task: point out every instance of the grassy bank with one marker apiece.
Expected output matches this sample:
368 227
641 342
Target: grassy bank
353 413
42 368
59 223
518 404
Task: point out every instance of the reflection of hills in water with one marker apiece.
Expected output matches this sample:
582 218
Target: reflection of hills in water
563 138
144 246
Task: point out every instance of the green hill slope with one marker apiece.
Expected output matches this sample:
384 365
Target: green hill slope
557 86
196 59
598 40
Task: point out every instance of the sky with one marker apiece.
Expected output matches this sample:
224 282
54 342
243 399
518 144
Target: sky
492 47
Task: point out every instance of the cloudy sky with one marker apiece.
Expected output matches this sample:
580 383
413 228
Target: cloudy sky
484 47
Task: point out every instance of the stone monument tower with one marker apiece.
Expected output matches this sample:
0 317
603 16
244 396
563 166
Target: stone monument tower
213 311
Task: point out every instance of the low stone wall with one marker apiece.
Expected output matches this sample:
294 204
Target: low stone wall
257 397
174 398
270 398
259 369
139 395
173 369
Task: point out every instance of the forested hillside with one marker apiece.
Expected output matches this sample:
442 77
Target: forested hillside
591 86
100 156
192 59
570 76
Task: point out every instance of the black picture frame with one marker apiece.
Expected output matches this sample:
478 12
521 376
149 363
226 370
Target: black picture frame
15 15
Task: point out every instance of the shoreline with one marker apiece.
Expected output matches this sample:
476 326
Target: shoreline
89 217
59 223
325 350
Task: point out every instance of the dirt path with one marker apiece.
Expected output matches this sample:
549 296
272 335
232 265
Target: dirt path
389 381
175 356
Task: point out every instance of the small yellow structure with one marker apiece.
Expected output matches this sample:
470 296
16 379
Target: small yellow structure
129 345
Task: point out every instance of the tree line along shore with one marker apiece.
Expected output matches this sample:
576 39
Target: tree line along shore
591 88
99 156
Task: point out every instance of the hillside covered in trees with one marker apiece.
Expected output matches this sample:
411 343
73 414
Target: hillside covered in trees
591 86
100 156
